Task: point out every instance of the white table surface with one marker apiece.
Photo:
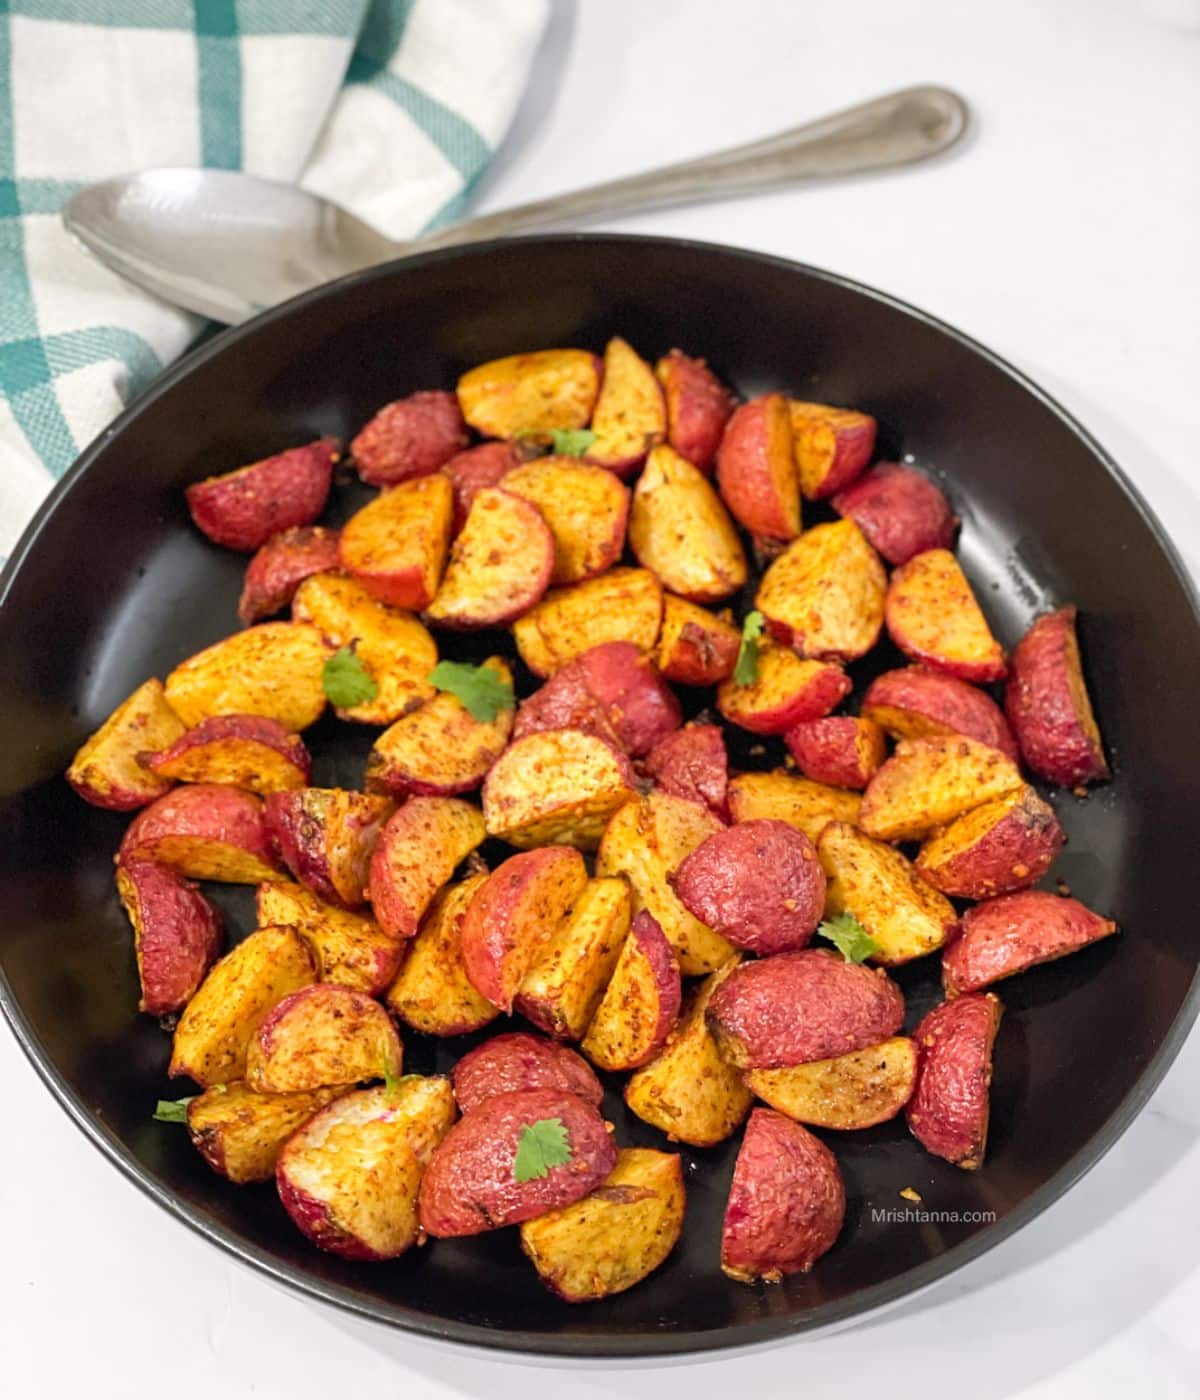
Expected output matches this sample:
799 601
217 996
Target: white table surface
1066 238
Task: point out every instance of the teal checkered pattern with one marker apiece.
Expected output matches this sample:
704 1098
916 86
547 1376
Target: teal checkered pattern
392 107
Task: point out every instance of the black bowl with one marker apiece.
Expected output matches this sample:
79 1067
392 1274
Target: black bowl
111 584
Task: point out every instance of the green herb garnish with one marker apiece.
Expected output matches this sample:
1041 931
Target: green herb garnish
173 1110
393 1082
481 689
571 442
849 937
746 670
346 681
542 1145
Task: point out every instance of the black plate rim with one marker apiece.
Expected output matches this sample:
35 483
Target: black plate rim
825 1316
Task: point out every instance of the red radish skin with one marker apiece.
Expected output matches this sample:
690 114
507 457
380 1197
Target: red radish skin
642 707
244 508
900 511
611 691
787 1201
470 1185
692 763
508 1063
1047 704
833 446
281 566
177 934
917 703
313 1219
204 812
256 729
759 884
948 1112
416 854
756 472
1007 935
663 965
514 914
698 407
565 702
476 468
1020 843
326 838
796 1007
842 751
411 437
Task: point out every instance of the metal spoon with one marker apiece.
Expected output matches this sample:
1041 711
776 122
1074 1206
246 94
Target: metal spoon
228 245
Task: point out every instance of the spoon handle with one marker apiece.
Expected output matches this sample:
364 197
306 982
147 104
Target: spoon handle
897 129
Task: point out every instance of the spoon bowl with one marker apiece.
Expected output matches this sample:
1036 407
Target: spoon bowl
220 242
228 245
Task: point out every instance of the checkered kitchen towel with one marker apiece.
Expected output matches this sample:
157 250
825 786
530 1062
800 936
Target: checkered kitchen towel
391 107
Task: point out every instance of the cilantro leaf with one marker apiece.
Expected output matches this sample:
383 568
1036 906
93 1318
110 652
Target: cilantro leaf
571 442
849 937
542 1145
392 1083
746 670
172 1110
346 681
481 689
